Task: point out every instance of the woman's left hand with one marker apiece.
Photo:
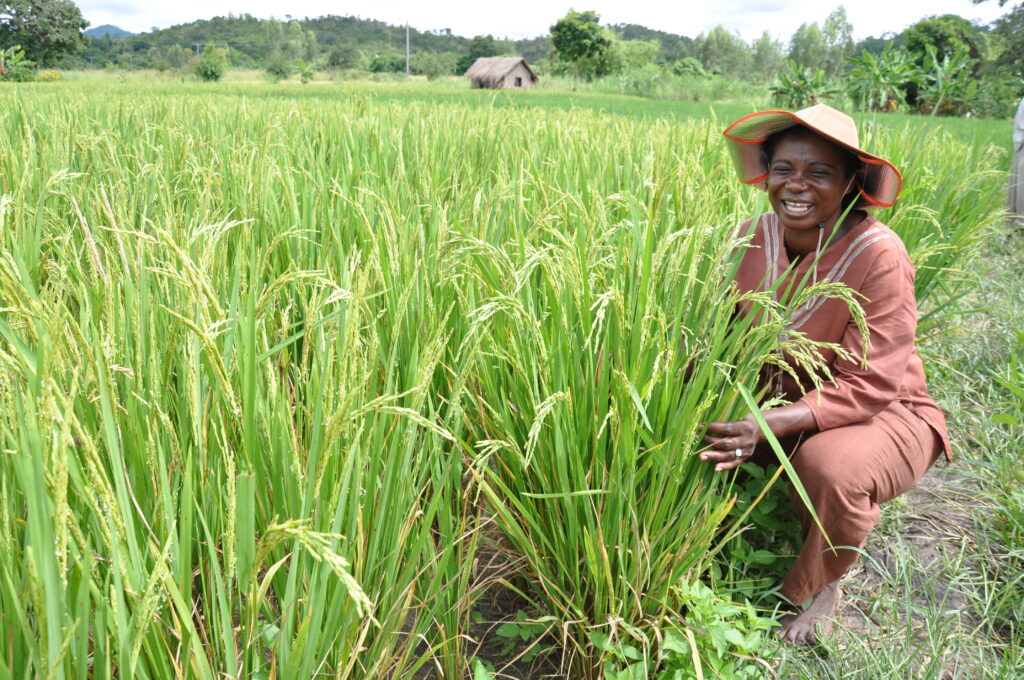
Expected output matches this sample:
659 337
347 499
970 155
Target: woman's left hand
732 442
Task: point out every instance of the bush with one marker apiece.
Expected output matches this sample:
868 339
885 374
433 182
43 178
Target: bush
389 62
277 66
434 65
642 82
344 57
212 64
689 66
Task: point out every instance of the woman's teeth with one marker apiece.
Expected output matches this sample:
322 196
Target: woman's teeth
797 208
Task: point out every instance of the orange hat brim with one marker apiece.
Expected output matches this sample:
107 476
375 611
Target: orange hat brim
880 187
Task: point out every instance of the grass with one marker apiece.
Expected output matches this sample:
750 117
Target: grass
271 356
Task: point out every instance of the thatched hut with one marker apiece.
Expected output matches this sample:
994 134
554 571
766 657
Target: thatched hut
501 73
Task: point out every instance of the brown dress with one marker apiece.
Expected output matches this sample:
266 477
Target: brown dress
878 429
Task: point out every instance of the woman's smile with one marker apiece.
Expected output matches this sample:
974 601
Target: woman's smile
797 208
807 180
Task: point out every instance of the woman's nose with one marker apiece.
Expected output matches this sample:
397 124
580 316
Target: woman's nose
796 180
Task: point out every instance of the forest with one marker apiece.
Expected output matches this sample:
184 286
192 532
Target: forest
941 65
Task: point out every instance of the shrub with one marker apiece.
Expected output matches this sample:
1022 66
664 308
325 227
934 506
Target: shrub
276 66
212 64
689 66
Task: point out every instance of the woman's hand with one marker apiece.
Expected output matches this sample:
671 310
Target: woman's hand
732 442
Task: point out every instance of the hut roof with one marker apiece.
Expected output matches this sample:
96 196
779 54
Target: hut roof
491 70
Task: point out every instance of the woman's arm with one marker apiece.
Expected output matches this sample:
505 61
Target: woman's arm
726 437
857 391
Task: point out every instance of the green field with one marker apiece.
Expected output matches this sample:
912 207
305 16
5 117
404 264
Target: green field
281 365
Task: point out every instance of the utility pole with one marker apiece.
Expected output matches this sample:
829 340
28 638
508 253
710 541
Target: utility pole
407 50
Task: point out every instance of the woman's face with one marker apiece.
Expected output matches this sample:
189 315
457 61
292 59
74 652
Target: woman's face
807 179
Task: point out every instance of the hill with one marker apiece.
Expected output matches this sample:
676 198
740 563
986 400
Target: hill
339 41
333 41
107 29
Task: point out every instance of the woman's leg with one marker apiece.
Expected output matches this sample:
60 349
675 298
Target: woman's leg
848 472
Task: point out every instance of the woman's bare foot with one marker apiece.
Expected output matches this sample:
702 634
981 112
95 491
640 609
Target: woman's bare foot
804 628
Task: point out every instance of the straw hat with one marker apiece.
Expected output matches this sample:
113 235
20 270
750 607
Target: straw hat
879 181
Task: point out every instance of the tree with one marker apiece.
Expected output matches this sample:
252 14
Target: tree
679 50
948 34
156 59
934 41
724 53
483 46
807 46
1009 29
434 64
579 40
46 29
838 35
479 46
286 44
344 56
634 54
388 61
768 56
177 56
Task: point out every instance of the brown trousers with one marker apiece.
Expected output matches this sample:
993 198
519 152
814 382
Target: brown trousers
848 472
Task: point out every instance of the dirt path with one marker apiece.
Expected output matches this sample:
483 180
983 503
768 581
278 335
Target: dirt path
919 568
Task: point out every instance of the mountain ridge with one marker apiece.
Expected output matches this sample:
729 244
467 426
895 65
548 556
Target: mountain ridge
107 29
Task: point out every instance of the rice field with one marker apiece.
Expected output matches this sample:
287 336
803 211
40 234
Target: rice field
275 369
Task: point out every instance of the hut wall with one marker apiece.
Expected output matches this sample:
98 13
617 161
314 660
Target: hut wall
525 81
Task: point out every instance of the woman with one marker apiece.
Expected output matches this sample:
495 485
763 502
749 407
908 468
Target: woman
871 431
1016 202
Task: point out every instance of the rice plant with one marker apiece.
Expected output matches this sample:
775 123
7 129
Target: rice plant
266 361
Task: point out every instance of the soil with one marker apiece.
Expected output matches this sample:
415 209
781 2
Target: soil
500 603
934 523
918 550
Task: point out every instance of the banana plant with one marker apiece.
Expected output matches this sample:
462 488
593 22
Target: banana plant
878 83
14 66
802 86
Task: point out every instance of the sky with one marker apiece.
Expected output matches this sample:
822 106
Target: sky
531 18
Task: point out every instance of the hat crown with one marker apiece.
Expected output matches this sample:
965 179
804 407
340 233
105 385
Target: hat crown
879 181
831 122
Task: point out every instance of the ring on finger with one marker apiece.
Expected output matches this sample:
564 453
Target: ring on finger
738 453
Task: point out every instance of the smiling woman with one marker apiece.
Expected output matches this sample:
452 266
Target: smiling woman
871 430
